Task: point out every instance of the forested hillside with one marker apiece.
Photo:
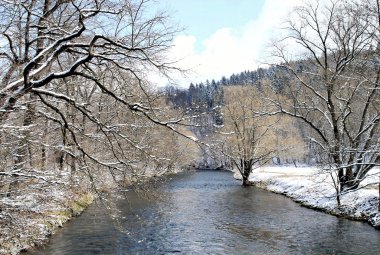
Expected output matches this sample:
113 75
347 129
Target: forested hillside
205 102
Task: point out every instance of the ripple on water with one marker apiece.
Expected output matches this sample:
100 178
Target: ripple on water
208 212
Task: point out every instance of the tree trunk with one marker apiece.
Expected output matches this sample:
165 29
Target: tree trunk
246 181
338 199
349 176
23 150
295 163
341 179
246 172
377 78
44 149
347 180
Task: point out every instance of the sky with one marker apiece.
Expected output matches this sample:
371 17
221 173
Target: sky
222 37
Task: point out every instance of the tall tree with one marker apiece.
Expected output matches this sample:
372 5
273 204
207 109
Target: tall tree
249 136
337 92
79 67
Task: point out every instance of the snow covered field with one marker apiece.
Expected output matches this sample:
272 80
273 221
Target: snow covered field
313 188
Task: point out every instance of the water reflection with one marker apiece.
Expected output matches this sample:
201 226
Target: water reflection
209 213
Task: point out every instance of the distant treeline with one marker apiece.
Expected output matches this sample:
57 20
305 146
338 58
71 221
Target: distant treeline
209 94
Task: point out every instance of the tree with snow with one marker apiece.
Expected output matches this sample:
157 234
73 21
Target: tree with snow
336 93
73 87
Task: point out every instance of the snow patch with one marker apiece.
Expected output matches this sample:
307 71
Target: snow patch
314 188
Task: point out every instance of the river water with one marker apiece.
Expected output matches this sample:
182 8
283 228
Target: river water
208 212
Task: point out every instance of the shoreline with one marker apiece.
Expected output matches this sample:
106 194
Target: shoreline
314 190
29 221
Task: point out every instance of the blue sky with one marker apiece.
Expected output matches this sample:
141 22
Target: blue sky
222 37
201 18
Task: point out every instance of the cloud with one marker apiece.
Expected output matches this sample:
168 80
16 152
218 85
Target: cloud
228 50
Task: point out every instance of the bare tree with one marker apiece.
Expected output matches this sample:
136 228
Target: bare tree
47 41
249 136
77 113
335 86
76 72
66 55
378 54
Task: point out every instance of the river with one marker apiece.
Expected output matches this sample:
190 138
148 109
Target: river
208 212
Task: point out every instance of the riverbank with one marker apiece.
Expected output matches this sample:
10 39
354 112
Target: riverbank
208 212
29 218
314 189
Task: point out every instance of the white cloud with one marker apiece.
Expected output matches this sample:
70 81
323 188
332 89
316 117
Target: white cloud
229 51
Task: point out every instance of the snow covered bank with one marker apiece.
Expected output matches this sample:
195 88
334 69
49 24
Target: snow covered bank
30 217
310 187
29 220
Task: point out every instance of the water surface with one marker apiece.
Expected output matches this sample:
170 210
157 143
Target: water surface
208 212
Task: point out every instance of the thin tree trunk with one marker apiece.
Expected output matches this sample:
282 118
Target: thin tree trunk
43 147
23 150
378 51
338 199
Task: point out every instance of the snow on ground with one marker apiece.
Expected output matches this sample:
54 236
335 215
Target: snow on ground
29 218
314 188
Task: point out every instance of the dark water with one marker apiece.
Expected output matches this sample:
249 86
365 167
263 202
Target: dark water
210 213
